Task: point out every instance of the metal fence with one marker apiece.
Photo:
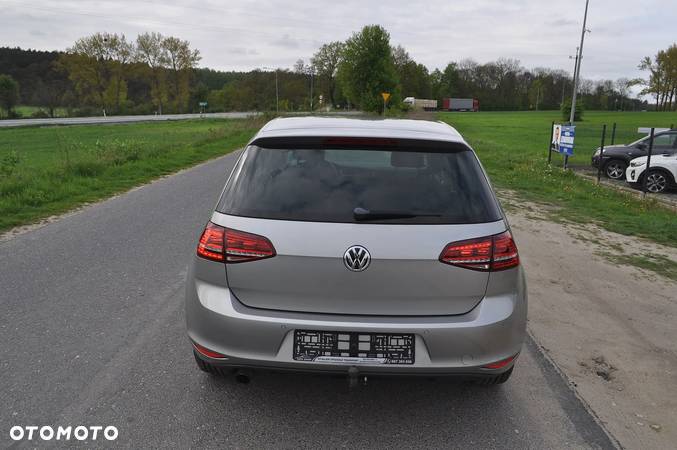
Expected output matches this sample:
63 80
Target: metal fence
589 138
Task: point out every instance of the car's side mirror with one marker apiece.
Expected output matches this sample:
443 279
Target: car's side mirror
641 145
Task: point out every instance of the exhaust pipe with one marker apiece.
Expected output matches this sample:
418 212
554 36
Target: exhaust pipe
243 376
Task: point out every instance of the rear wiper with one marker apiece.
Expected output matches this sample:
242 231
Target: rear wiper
361 214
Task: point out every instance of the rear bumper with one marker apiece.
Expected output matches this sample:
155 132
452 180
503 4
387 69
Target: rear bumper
444 345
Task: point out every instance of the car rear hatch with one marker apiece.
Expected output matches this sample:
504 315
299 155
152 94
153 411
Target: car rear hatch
358 227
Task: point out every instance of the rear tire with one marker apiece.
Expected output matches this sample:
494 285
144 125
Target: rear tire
615 169
497 379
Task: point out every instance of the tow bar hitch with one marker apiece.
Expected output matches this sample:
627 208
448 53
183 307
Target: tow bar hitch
354 377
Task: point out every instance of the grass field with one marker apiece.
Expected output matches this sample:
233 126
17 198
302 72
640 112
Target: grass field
513 148
49 170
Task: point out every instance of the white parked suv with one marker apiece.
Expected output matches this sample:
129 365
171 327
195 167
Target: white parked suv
661 176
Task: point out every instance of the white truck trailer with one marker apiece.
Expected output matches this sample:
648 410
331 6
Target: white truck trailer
421 103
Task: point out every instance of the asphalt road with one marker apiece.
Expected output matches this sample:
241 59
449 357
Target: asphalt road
120 119
92 333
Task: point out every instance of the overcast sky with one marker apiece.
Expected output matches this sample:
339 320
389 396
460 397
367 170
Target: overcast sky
243 35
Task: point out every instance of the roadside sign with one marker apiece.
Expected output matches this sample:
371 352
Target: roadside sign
203 104
563 139
385 95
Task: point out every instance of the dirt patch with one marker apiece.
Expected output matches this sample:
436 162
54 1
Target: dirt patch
610 327
600 367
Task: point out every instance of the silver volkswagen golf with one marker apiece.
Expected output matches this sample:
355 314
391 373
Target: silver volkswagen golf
364 247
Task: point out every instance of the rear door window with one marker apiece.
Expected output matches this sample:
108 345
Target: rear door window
331 184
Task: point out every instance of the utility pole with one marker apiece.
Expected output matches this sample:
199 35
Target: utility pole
311 71
277 95
577 71
573 75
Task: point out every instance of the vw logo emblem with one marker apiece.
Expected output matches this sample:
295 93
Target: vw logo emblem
356 258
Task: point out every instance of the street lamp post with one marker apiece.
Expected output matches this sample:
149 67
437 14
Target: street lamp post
577 71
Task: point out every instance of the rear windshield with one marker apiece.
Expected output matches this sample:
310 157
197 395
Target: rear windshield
360 185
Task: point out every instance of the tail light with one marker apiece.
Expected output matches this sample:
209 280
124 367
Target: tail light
500 364
222 244
491 253
208 353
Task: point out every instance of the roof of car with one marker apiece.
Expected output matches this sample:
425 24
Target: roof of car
348 127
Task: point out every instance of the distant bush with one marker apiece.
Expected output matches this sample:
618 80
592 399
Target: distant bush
87 167
40 114
87 111
117 151
87 160
565 108
8 163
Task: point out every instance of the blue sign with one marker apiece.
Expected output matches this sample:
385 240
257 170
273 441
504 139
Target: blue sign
563 139
566 141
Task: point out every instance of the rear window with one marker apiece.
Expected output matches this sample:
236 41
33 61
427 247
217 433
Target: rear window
370 185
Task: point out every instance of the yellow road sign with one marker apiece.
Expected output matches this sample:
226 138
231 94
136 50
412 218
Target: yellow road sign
385 95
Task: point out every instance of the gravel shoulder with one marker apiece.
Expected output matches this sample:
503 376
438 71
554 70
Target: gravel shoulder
609 327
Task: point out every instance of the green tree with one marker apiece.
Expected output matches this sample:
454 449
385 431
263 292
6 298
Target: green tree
565 109
153 58
9 93
446 83
96 65
662 82
120 55
326 62
180 61
414 78
367 68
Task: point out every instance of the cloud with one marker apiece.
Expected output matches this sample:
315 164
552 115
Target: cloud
562 22
286 41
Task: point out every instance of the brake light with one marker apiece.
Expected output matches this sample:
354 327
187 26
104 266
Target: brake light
471 254
211 243
380 142
500 364
208 353
505 252
222 244
242 247
491 253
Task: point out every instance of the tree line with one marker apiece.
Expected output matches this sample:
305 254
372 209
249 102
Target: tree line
101 67
103 74
159 74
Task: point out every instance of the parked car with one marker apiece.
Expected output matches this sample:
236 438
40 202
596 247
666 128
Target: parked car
662 173
616 158
357 247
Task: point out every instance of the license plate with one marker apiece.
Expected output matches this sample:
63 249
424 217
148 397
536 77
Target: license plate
352 348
